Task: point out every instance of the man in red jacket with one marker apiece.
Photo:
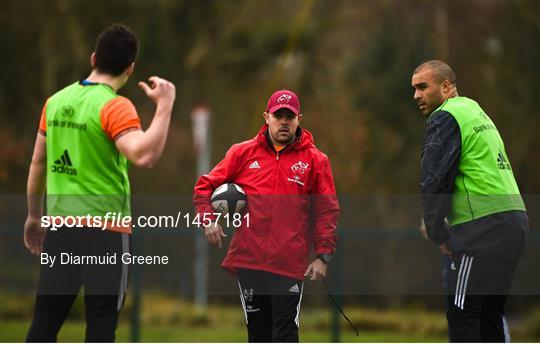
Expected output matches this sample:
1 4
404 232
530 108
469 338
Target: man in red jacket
293 208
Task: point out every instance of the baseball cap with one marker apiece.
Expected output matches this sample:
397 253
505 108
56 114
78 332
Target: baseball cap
283 99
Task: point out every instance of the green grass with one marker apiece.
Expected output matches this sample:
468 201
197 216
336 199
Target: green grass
73 331
171 319
168 319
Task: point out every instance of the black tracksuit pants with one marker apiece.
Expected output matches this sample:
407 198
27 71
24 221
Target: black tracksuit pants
104 284
480 279
479 290
271 305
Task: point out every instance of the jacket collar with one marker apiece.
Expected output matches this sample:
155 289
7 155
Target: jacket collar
303 139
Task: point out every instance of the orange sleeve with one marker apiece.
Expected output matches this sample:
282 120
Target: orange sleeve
43 120
119 115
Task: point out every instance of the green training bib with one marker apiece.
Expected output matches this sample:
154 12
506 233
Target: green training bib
86 174
485 183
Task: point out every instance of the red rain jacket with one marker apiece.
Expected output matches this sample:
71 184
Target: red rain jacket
291 201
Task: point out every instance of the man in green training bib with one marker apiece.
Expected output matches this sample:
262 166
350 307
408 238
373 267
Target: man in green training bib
87 135
467 178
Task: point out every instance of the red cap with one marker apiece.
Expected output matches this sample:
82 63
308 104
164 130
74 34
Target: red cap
283 99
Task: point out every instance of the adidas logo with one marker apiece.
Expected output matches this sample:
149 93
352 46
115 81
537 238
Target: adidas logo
502 164
255 164
294 289
63 165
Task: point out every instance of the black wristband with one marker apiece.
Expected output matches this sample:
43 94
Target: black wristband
325 257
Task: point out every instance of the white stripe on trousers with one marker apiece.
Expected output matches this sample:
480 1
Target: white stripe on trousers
462 304
507 338
462 281
456 292
297 318
124 273
243 302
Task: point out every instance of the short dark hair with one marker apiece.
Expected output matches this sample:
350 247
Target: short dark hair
442 70
116 49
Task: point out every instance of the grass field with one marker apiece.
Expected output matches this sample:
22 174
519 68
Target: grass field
73 331
169 319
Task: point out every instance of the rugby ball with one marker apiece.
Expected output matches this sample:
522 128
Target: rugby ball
228 198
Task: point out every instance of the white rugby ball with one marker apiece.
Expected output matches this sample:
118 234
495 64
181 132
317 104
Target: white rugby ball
228 198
